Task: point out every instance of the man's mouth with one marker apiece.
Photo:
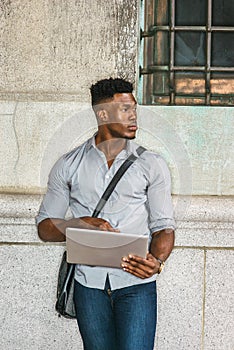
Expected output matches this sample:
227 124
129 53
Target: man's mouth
133 127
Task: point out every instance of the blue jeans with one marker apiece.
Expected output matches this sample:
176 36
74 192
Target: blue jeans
123 319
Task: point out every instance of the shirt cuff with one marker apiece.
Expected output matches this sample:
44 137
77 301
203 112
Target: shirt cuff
162 225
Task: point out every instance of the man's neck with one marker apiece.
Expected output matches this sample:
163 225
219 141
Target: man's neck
110 147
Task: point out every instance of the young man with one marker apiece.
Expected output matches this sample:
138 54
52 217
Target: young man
116 308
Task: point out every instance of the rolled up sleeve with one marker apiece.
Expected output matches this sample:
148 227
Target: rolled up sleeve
56 200
159 197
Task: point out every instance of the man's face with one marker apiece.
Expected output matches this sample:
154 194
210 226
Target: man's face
121 118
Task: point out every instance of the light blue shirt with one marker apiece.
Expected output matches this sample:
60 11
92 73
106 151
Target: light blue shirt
140 203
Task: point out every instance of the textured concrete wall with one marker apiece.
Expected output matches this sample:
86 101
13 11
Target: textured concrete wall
195 299
197 143
53 50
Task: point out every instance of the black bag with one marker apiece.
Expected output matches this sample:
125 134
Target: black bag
65 305
65 287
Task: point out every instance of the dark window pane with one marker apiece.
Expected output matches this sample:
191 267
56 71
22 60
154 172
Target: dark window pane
160 100
189 49
222 49
149 49
190 12
222 101
190 83
223 13
161 83
161 12
189 101
161 48
222 83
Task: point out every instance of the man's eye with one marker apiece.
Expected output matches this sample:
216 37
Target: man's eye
126 109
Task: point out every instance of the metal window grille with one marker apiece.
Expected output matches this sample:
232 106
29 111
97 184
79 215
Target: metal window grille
188 52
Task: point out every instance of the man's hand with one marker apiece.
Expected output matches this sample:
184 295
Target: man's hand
96 224
140 267
161 246
53 230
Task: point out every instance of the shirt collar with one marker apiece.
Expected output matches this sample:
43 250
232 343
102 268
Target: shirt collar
91 143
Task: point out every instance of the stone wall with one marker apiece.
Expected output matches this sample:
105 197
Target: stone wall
51 52
196 142
195 299
54 50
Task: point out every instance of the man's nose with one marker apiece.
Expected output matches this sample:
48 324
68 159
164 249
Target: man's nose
133 114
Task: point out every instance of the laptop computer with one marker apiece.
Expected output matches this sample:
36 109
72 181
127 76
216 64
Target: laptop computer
102 248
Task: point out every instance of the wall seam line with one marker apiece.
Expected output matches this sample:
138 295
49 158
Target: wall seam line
61 243
203 302
16 135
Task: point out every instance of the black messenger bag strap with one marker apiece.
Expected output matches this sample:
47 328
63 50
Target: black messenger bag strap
124 167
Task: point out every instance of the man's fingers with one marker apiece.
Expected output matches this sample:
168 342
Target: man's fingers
135 260
105 226
98 223
139 266
137 271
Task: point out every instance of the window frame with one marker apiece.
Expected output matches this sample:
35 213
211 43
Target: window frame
208 90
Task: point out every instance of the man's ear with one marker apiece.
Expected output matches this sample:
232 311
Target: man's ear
102 115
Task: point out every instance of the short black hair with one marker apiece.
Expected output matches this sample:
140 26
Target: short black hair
105 89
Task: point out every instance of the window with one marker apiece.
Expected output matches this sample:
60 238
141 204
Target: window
187 52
